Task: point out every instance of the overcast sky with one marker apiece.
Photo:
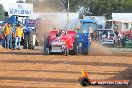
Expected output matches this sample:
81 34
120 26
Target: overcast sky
5 3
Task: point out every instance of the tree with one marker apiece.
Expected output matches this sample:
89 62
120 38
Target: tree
2 12
99 7
29 1
84 7
19 1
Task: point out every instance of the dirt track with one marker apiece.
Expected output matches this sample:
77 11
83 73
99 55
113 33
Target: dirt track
31 69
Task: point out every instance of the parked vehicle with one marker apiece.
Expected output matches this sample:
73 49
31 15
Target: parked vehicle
107 37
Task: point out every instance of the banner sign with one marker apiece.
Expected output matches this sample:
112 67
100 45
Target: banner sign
21 9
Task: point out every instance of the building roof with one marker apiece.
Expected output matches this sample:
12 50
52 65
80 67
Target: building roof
123 17
87 21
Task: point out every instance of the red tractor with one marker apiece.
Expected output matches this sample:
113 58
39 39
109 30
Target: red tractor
61 41
69 41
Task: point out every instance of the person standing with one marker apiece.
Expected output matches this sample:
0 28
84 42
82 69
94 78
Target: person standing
130 34
123 40
18 36
8 36
119 40
3 36
91 32
13 36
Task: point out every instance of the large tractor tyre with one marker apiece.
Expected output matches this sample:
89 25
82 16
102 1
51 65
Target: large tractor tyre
46 46
75 47
66 51
85 52
47 51
31 44
25 46
113 45
90 44
85 81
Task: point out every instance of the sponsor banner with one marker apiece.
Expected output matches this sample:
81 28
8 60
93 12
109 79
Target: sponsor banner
21 9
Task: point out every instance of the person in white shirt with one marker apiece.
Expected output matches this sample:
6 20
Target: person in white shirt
119 40
103 37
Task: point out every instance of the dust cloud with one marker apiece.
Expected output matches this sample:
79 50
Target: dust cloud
46 6
98 49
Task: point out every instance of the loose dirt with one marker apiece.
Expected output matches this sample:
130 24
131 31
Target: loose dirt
98 49
31 69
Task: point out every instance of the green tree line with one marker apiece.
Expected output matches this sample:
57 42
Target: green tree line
99 7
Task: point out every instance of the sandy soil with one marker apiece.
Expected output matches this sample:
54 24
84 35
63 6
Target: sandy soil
31 69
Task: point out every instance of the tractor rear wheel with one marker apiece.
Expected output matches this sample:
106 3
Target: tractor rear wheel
85 51
47 51
46 46
31 41
75 47
25 44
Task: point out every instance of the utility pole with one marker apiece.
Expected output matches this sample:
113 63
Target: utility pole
68 7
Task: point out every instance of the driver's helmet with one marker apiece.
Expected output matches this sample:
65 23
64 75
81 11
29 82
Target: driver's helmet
60 31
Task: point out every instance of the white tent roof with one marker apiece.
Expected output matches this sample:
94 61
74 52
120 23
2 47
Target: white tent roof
122 17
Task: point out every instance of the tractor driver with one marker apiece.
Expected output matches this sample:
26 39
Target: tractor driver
59 33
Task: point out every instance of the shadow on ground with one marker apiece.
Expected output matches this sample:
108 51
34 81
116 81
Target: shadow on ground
55 54
21 53
31 79
68 62
126 75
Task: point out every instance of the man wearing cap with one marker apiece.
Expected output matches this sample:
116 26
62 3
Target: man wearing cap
8 36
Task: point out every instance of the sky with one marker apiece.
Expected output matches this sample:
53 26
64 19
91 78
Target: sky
5 3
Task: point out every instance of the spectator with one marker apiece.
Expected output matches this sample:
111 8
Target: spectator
123 40
18 36
3 36
13 37
116 32
130 34
8 36
91 32
119 40
104 37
